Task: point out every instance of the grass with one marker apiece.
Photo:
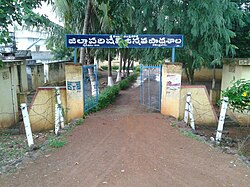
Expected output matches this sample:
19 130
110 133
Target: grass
12 149
189 134
56 142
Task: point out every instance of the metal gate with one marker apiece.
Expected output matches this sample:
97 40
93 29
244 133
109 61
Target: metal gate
150 88
90 87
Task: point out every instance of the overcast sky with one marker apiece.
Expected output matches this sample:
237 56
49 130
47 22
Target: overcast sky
48 10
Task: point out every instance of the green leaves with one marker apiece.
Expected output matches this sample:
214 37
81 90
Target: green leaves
19 11
239 95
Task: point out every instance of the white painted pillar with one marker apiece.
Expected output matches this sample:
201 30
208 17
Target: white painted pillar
221 119
59 108
110 81
188 98
26 121
57 117
118 78
189 112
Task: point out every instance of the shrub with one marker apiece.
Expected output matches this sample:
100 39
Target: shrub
124 84
115 67
107 96
104 67
137 69
239 95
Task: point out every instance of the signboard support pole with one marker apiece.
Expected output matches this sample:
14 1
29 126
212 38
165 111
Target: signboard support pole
173 55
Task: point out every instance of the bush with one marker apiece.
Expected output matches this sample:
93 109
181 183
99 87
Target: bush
137 69
239 95
124 84
107 96
113 67
104 67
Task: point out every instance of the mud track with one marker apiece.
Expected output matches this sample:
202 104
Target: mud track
125 145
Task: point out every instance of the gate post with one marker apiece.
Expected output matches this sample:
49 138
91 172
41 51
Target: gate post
171 89
74 91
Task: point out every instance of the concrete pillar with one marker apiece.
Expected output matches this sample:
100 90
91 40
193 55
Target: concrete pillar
171 89
74 90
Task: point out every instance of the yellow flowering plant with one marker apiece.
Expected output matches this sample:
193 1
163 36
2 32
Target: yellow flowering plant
239 95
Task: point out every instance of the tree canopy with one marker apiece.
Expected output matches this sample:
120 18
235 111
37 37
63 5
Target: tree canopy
20 12
212 29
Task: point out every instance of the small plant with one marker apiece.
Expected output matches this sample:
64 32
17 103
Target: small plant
189 134
239 95
174 125
56 143
79 122
137 69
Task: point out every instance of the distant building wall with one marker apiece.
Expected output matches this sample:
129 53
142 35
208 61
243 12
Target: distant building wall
204 74
8 111
56 72
37 75
12 85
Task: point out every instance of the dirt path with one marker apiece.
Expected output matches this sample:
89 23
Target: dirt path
125 145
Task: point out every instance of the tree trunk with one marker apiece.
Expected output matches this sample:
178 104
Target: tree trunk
129 62
124 67
191 76
118 79
85 30
213 81
110 79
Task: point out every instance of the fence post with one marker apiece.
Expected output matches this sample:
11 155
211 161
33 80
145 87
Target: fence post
189 111
59 102
26 121
221 119
57 119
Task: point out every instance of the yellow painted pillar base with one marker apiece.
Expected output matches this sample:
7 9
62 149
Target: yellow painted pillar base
74 90
171 89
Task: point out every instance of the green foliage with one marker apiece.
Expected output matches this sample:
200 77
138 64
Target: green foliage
133 77
124 84
242 38
239 95
189 134
1 64
56 142
113 67
104 67
107 96
21 11
79 122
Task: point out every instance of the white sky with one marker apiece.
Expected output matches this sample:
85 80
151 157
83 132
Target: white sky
48 10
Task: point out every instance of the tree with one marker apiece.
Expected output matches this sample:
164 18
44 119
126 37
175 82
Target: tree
206 25
242 38
17 11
